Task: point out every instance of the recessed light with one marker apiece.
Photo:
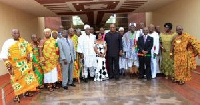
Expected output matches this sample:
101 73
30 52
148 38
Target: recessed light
114 2
80 10
77 3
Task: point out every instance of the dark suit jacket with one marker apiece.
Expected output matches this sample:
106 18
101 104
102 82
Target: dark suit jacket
145 46
114 43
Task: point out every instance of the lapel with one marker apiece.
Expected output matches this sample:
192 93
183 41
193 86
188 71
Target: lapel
147 39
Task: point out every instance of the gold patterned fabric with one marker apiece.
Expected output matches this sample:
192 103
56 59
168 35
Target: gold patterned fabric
76 63
37 67
167 62
24 78
50 52
186 48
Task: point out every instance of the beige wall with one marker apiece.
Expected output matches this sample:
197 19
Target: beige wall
180 12
13 18
149 19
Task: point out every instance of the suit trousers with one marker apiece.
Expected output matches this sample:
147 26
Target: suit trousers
145 61
113 70
67 73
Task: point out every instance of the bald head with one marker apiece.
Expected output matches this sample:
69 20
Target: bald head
15 34
151 28
64 33
71 31
157 29
145 30
179 30
112 28
34 38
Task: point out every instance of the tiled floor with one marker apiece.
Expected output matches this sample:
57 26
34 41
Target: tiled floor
124 92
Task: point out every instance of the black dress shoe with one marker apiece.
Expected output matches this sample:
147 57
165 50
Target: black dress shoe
65 87
148 79
140 77
86 80
73 85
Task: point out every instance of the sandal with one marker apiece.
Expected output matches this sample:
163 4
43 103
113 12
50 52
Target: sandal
16 99
27 94
181 83
55 86
50 88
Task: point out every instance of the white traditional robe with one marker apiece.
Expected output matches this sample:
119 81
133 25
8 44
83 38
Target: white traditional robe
129 48
7 44
86 47
155 50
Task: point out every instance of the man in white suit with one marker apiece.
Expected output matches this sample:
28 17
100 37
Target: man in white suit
67 57
86 48
154 50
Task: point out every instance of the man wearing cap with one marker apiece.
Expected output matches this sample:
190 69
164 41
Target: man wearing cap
130 49
86 48
122 59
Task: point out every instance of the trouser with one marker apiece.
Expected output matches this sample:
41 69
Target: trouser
91 69
67 73
145 61
113 72
154 65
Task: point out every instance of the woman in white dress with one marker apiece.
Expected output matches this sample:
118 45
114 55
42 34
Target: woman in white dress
100 48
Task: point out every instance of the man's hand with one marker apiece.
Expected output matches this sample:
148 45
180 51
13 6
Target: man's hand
65 61
120 53
9 68
144 52
164 50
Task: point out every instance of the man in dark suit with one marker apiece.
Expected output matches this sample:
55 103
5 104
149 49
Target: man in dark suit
145 44
114 45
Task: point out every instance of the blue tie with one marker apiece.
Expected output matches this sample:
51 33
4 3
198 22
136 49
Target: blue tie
67 41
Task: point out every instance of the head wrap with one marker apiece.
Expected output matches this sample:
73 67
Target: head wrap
121 28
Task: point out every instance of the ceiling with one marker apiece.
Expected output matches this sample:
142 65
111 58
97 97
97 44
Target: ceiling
91 11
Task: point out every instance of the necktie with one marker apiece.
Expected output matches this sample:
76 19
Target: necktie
67 41
144 38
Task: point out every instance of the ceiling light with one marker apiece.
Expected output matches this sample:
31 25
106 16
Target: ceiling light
114 2
80 10
77 3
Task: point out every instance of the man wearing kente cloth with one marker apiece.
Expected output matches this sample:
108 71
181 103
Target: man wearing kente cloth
49 59
184 49
37 67
54 34
17 55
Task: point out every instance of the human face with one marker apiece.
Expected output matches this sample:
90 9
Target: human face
47 34
167 29
145 31
64 33
151 28
34 38
71 32
141 25
15 34
87 31
91 30
179 30
101 30
112 28
100 36
132 28
157 29
121 32
55 35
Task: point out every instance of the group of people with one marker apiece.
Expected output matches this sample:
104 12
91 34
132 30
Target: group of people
63 55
